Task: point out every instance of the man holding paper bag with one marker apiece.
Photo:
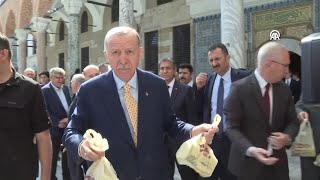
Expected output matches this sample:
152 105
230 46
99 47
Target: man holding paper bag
261 119
308 170
130 108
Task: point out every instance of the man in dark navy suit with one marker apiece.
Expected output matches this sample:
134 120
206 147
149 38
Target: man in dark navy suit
57 98
212 90
130 108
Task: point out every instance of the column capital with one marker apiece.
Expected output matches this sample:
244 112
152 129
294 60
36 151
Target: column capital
40 24
72 6
22 34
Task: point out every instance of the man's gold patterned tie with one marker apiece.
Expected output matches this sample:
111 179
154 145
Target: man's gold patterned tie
132 107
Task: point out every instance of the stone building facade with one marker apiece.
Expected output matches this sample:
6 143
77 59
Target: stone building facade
70 33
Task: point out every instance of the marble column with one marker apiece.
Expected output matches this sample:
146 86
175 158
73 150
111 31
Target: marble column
126 13
232 31
72 8
22 35
40 25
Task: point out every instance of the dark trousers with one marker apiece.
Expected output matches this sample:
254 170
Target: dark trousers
77 171
308 170
186 172
221 148
56 149
269 173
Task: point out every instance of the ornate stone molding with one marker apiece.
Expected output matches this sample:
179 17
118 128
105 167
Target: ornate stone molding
22 34
72 7
40 24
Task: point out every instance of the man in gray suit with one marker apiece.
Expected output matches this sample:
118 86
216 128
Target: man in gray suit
261 119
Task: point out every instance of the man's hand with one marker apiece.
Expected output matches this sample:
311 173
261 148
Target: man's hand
208 131
262 155
87 153
303 116
279 140
201 80
63 123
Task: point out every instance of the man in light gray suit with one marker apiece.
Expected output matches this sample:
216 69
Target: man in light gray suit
261 119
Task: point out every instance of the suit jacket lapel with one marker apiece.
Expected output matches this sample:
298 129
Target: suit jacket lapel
174 92
66 94
113 104
56 97
210 87
143 94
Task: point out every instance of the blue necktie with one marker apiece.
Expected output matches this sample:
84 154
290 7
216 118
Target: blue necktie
220 103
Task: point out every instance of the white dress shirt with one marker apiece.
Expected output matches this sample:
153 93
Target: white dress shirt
62 97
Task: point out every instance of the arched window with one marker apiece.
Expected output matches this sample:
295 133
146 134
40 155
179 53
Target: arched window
115 10
61 31
84 22
31 45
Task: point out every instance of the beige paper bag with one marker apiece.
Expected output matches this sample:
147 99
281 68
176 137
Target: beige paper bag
101 169
317 161
197 154
303 144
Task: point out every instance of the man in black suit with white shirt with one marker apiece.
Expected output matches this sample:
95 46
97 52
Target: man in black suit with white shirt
183 105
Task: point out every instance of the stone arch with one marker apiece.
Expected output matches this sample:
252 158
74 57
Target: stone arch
90 20
292 44
42 6
140 6
25 13
93 11
10 24
58 15
59 30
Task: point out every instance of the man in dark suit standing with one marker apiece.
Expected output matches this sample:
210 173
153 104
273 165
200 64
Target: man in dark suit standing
181 95
211 93
183 105
295 87
130 108
57 98
261 118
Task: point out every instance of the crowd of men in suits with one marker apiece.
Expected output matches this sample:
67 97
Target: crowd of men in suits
257 108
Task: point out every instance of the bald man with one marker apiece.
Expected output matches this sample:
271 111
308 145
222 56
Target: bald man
90 71
261 119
